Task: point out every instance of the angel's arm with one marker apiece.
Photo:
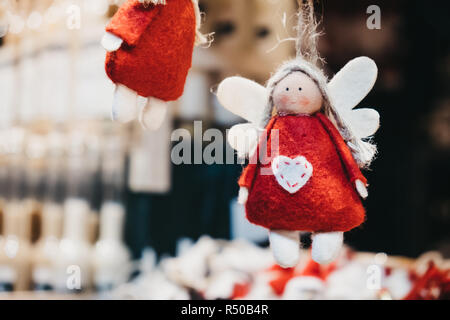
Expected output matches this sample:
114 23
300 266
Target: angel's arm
246 180
351 167
247 176
131 21
249 173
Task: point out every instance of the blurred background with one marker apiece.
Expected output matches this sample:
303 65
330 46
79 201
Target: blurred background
77 190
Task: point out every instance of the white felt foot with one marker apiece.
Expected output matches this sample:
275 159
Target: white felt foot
285 247
125 104
153 114
326 246
111 42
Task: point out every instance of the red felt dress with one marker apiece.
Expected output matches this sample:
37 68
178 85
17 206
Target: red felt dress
156 55
327 201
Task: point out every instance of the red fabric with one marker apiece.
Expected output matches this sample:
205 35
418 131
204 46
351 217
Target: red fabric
387 271
131 21
157 54
240 290
313 269
349 163
328 201
278 283
433 285
283 276
249 174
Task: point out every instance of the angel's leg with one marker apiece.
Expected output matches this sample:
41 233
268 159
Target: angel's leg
326 246
285 247
153 114
125 104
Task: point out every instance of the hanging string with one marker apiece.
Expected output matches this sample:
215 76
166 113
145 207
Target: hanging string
307 33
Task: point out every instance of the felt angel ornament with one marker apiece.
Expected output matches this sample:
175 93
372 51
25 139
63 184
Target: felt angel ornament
149 47
304 173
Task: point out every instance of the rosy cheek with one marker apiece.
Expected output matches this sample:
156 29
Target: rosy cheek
284 99
304 101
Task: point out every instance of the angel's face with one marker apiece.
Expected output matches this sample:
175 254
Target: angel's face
298 94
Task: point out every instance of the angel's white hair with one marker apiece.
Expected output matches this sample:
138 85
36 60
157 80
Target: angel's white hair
362 151
199 37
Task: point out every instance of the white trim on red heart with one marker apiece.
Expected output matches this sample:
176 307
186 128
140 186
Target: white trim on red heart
291 174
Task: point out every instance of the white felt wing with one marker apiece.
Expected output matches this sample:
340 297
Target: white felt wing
243 138
247 99
348 88
243 97
364 122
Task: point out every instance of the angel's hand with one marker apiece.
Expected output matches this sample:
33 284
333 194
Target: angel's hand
361 188
243 195
111 42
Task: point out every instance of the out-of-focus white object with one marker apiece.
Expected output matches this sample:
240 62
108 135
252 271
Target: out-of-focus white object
240 255
111 258
148 261
260 288
8 277
304 288
8 87
349 283
15 250
73 265
221 285
218 269
190 269
30 99
151 284
150 165
183 245
235 264
93 91
398 283
55 80
46 249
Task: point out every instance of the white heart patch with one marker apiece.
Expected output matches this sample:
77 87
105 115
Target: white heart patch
292 174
